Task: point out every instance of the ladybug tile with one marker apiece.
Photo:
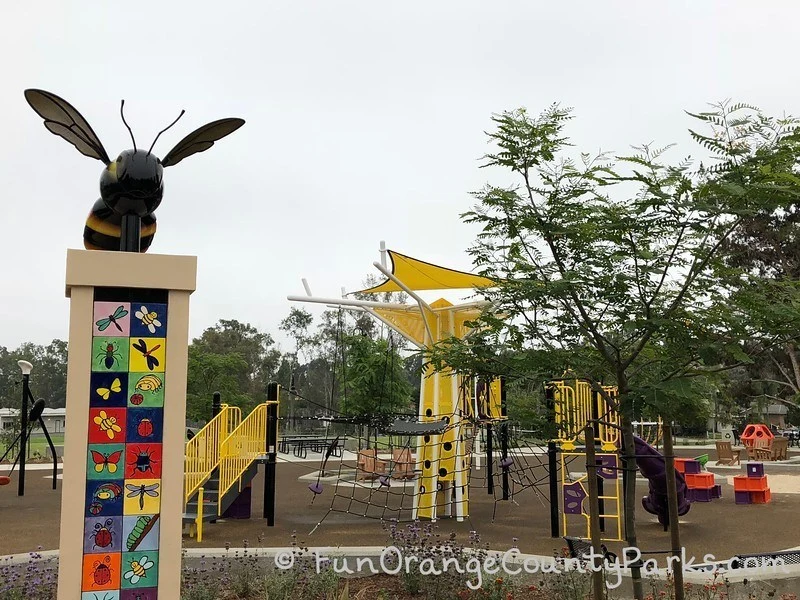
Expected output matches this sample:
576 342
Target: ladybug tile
106 425
145 425
140 532
104 498
110 354
101 572
112 319
102 534
142 461
145 389
148 319
139 569
105 461
108 389
147 354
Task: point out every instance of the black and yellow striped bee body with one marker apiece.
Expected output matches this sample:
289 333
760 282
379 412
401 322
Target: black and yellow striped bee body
103 229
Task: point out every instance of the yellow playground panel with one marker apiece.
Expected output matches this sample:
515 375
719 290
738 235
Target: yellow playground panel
575 496
575 404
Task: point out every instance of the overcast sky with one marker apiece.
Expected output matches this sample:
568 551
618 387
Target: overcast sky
364 121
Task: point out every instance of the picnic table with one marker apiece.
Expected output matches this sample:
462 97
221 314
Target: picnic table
301 444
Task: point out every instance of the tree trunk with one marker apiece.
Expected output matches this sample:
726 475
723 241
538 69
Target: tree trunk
629 464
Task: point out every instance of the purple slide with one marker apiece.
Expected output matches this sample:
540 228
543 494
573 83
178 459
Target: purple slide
652 465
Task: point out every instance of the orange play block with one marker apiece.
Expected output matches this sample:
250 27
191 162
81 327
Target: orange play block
699 481
743 483
761 497
680 464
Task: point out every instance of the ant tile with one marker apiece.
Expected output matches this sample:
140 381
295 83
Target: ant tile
108 389
112 319
102 534
101 572
143 461
110 354
140 532
147 354
149 319
146 389
142 497
139 569
145 425
105 461
107 425
105 595
103 498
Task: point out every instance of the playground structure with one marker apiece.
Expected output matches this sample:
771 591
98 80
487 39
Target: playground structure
223 457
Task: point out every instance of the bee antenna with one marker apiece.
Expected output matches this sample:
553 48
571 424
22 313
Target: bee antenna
162 131
122 114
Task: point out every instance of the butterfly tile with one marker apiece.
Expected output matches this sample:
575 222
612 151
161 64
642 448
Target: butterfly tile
108 389
148 319
112 319
139 594
105 461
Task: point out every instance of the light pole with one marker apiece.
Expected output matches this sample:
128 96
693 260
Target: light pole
26 369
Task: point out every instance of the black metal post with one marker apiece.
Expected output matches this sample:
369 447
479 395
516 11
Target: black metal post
273 390
23 444
552 467
216 404
130 237
489 459
504 436
49 442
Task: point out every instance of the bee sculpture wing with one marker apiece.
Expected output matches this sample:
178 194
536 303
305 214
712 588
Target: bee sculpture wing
201 140
63 120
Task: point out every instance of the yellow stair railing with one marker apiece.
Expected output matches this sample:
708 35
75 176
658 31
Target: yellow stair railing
203 450
245 444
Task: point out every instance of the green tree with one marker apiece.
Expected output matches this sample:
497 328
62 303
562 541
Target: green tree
48 378
613 263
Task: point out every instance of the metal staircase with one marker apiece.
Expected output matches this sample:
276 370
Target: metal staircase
221 460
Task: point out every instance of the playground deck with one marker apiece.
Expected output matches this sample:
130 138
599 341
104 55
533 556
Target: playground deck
720 527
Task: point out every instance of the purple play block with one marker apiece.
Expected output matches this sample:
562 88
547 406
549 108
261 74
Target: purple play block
742 497
692 467
755 469
699 495
716 491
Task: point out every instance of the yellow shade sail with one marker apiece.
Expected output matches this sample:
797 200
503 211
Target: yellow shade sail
420 275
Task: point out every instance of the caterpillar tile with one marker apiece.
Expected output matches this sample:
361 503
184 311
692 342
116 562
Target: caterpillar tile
140 532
